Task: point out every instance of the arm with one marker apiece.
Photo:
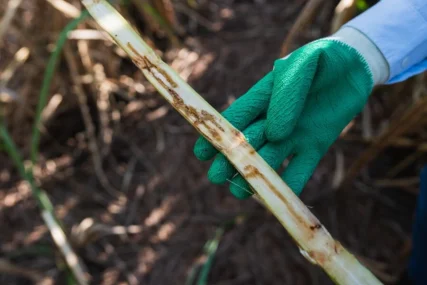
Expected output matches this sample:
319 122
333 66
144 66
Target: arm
398 29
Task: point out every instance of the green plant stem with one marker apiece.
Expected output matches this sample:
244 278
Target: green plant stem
13 152
46 208
211 249
47 79
201 271
192 275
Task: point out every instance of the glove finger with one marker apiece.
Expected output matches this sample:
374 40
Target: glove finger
240 188
204 150
300 169
240 114
221 169
292 81
274 154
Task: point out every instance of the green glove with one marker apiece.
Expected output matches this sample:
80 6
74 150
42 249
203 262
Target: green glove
298 109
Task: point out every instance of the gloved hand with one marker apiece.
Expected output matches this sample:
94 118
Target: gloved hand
298 109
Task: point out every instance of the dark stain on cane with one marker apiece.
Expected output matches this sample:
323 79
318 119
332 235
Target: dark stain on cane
216 135
209 117
202 117
319 257
316 227
252 171
338 247
144 63
236 132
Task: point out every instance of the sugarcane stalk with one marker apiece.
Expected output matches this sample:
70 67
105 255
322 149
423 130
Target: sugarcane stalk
314 241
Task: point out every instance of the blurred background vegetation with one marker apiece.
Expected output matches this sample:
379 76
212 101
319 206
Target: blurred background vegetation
98 183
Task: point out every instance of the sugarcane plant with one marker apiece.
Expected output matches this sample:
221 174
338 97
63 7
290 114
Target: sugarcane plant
76 268
314 241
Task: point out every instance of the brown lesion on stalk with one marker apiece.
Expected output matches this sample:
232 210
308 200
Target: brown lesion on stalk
315 227
239 140
252 171
321 257
144 63
209 117
338 247
332 247
198 117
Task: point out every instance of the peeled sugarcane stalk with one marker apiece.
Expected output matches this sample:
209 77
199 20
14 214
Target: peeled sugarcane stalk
314 241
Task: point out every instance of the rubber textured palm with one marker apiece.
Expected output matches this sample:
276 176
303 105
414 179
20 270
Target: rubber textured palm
298 109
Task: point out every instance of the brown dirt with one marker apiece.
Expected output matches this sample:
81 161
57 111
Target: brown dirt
168 193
